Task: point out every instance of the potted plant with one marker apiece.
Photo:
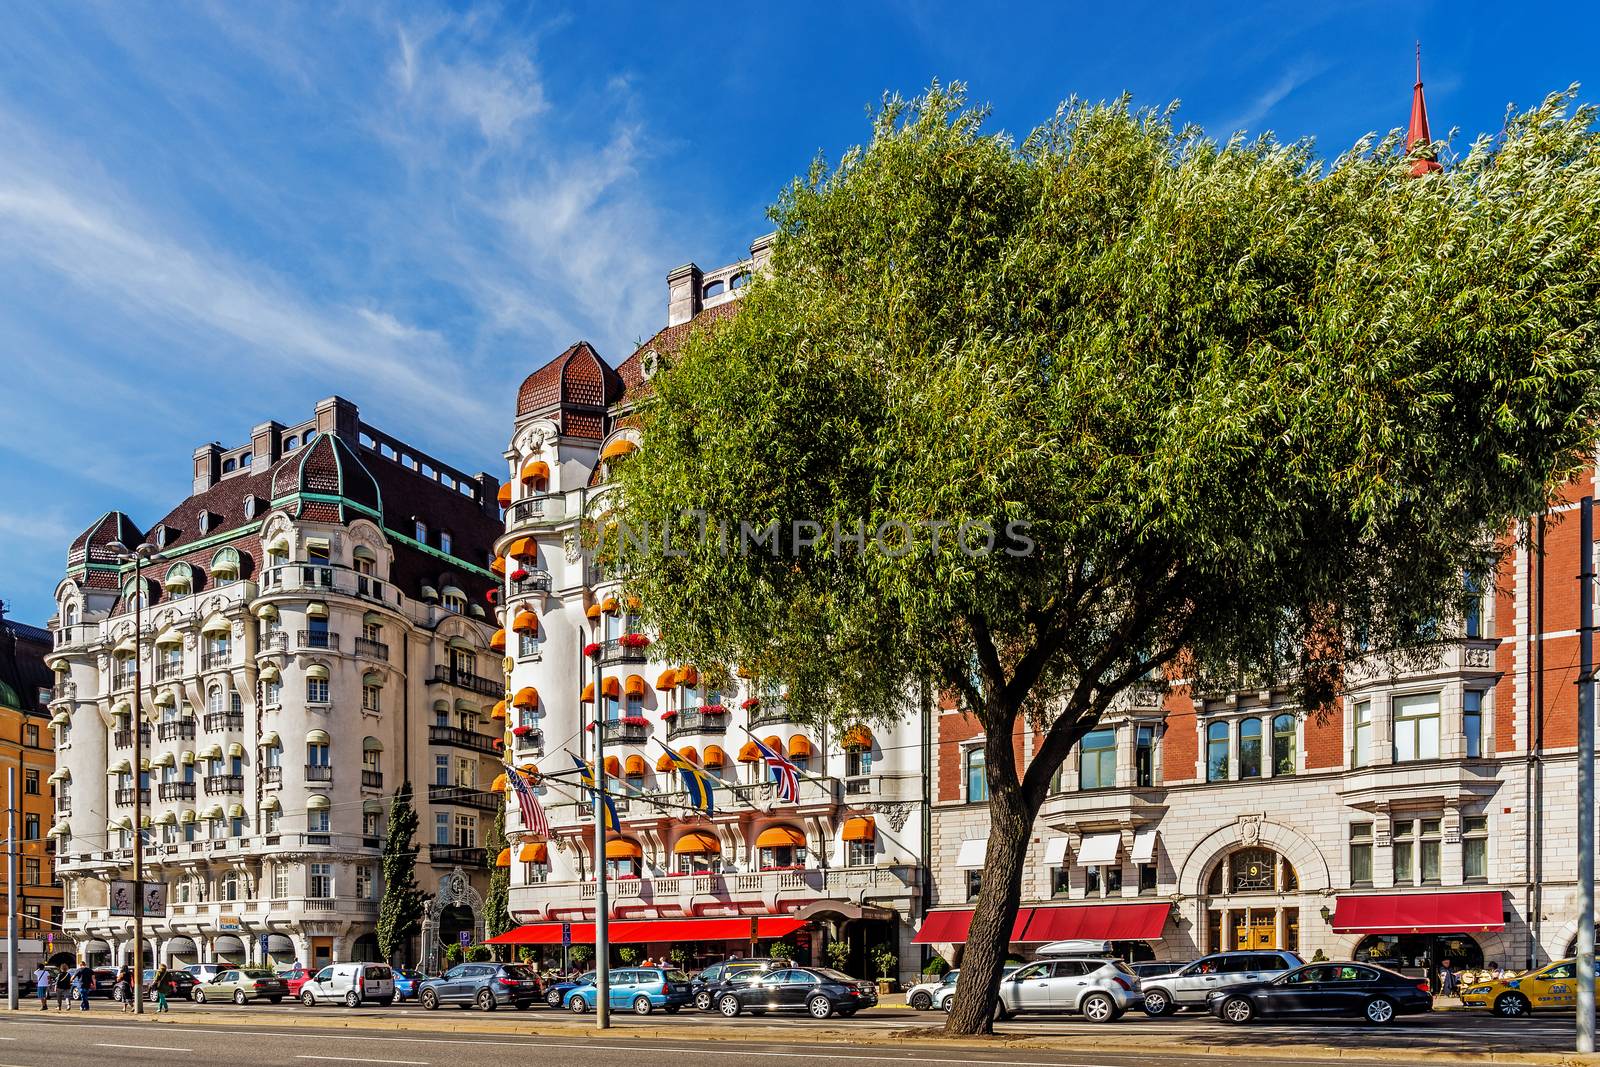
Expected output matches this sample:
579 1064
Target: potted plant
633 640
884 962
781 950
749 703
838 954
628 954
579 956
592 648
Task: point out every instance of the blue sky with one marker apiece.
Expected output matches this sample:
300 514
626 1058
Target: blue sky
213 215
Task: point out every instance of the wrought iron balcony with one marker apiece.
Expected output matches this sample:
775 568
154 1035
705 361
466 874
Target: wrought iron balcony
318 639
698 721
372 649
125 796
181 730
535 581
167 671
318 773
460 738
212 661
220 721
613 650
459 854
477 683
772 713
275 641
124 738
175 791
218 784
463 796
371 779
271 774
626 733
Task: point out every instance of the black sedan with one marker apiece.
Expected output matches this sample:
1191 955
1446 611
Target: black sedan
1376 994
180 984
817 991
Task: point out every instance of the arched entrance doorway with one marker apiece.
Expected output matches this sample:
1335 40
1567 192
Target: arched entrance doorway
455 908
1252 902
281 951
96 952
365 949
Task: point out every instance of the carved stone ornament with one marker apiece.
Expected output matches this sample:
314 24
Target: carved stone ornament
895 813
573 549
1250 829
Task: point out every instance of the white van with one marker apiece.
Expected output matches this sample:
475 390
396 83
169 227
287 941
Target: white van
351 983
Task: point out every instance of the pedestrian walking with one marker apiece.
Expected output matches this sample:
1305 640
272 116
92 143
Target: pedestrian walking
63 986
82 982
123 992
41 986
159 986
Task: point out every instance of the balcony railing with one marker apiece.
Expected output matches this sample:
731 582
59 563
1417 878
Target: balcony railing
698 722
371 779
463 796
371 649
76 634
319 579
318 639
63 689
122 679
217 660
466 856
175 790
531 739
220 784
270 775
626 733
167 671
535 581
460 738
612 650
125 796
182 730
317 773
535 510
219 721
124 738
772 713
477 683
274 641
63 804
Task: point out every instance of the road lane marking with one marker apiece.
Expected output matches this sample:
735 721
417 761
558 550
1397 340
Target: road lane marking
364 1059
147 1048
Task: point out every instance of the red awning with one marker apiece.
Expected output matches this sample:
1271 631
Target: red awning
1097 922
950 927
1419 913
649 931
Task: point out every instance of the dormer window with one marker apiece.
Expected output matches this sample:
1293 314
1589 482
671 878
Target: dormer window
246 459
229 466
159 536
252 505
207 521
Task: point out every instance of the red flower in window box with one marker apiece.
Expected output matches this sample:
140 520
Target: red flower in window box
518 574
713 709
522 731
592 648
669 715
633 641
749 702
634 720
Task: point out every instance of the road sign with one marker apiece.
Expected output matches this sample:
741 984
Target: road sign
265 939
466 938
566 935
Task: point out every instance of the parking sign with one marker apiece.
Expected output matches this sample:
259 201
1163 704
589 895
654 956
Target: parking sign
466 938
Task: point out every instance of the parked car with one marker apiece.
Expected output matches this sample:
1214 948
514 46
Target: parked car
405 982
242 985
1098 989
817 991
180 984
105 982
1552 987
350 984
206 971
1151 969
486 986
643 989
556 990
920 996
945 994
1189 987
295 978
714 977
1374 993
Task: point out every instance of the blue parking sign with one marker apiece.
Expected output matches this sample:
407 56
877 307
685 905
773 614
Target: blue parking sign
466 938
566 935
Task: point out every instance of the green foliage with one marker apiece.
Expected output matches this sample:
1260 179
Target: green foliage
679 955
883 960
526 954
838 953
935 966
580 955
781 950
628 954
496 905
400 910
452 954
480 954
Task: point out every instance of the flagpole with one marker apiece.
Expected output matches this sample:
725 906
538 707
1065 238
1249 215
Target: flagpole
602 920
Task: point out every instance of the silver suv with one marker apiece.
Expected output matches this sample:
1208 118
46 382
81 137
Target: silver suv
1190 987
1098 989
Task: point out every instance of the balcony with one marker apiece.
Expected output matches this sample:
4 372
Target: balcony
772 713
223 784
63 804
273 641
272 775
318 773
175 790
221 721
460 738
625 733
475 683
317 639
320 580
218 660
371 649
371 779
169 670
463 796
125 796
77 634
124 738
698 721
534 582
533 739
182 730
122 679
457 854
537 510
612 650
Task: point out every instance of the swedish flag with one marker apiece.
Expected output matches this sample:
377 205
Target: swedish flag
608 805
696 781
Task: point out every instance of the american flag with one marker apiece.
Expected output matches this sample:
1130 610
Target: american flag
784 772
532 811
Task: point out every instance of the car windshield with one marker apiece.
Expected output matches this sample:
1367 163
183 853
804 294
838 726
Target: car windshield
833 975
950 976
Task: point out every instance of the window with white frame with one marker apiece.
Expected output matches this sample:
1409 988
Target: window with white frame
1250 748
318 822
371 698
1475 848
320 884
316 690
441 770
1097 759
1217 752
364 882
1361 854
860 853
441 828
1416 727
1472 722
280 880
1361 734
1415 845
977 779
466 827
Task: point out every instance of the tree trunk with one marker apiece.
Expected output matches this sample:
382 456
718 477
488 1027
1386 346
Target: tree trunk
989 937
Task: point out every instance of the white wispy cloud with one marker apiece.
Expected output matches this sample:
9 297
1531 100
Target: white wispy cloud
1262 104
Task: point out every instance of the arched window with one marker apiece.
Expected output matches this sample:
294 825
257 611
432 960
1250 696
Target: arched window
711 289
977 781
291 443
228 466
1250 748
1217 752
1252 870
740 280
214 700
1284 760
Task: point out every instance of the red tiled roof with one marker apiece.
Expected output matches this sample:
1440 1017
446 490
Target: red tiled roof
577 377
666 342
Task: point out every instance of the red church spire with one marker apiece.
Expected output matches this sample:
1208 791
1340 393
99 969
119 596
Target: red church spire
1418 139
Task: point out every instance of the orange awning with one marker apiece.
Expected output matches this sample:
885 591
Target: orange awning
499 785
860 828
610 605
498 711
664 763
504 495
530 769
633 686
498 641
620 447
593 611
588 694
857 737
619 848
613 767
688 676
690 753
526 622
534 852
504 859
535 471
781 836
714 757
635 767
773 743
498 565
749 753
696 842
523 546
668 679
527 697
611 687
799 746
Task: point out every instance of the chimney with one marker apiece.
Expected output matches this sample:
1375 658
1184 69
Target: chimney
683 294
761 252
266 445
338 416
207 466
488 494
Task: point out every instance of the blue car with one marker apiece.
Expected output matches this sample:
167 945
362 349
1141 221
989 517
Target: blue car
405 982
555 993
643 989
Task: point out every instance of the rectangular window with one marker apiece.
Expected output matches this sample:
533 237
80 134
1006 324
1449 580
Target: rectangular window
1097 760
372 631
420 531
1361 853
1217 752
1361 734
369 698
444 541
1060 881
527 645
1472 721
441 828
858 762
30 827
1144 761
1416 727
321 883
1250 748
280 881
861 853
30 872
269 821
1403 847
974 884
466 831
1147 878
1428 839
316 690
441 770
317 755
364 883
1283 745
30 781
1113 880
977 782
1475 848
1472 621
317 821
1091 881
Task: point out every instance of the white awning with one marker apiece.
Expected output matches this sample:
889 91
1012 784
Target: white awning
972 853
1098 850
1144 845
1055 851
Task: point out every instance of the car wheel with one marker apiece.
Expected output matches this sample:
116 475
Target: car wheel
239 997
308 998
1098 1008
702 1001
642 1006
1512 1006
199 997
553 998
486 1001
429 1000
728 1006
352 999
921 1001
949 1004
819 1007
1379 1011
1238 1010
577 1006
1157 1003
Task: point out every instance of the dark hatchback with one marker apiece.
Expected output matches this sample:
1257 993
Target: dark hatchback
485 986
179 984
1361 990
714 978
817 991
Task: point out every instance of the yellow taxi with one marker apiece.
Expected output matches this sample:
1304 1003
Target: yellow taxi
1553 986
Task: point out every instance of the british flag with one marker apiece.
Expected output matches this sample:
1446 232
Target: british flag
532 811
784 772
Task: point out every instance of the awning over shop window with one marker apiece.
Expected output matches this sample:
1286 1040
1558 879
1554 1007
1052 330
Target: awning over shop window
1098 850
623 848
696 843
1097 922
1419 913
1055 851
781 837
651 931
950 927
1144 845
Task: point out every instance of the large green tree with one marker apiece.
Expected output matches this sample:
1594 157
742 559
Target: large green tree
1242 411
400 910
497 905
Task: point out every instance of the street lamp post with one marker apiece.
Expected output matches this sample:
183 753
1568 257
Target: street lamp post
138 557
